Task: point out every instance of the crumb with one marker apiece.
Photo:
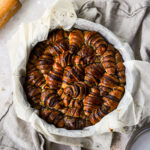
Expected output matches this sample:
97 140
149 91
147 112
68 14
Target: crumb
111 130
118 110
3 89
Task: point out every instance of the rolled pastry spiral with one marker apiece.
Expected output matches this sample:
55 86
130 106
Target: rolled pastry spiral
74 78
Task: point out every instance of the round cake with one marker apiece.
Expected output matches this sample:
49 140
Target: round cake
74 78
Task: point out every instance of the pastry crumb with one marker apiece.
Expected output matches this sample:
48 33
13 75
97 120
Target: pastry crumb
111 130
3 89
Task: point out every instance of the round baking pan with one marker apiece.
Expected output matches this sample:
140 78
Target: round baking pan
140 139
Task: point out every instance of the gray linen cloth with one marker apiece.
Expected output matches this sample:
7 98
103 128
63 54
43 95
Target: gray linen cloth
130 20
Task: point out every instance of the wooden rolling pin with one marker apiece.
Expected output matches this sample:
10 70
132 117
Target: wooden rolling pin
7 9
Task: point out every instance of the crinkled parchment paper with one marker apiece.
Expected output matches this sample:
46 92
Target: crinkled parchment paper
132 107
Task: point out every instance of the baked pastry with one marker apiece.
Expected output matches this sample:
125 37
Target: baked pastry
74 78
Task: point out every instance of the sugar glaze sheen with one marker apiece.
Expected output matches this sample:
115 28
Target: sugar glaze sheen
74 78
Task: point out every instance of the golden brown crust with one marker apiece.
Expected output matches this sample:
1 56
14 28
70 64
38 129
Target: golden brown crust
74 78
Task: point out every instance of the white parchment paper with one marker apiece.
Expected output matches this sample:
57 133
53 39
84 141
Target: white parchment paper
132 108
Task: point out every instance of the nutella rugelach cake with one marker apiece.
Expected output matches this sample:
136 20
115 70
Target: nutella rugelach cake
74 78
